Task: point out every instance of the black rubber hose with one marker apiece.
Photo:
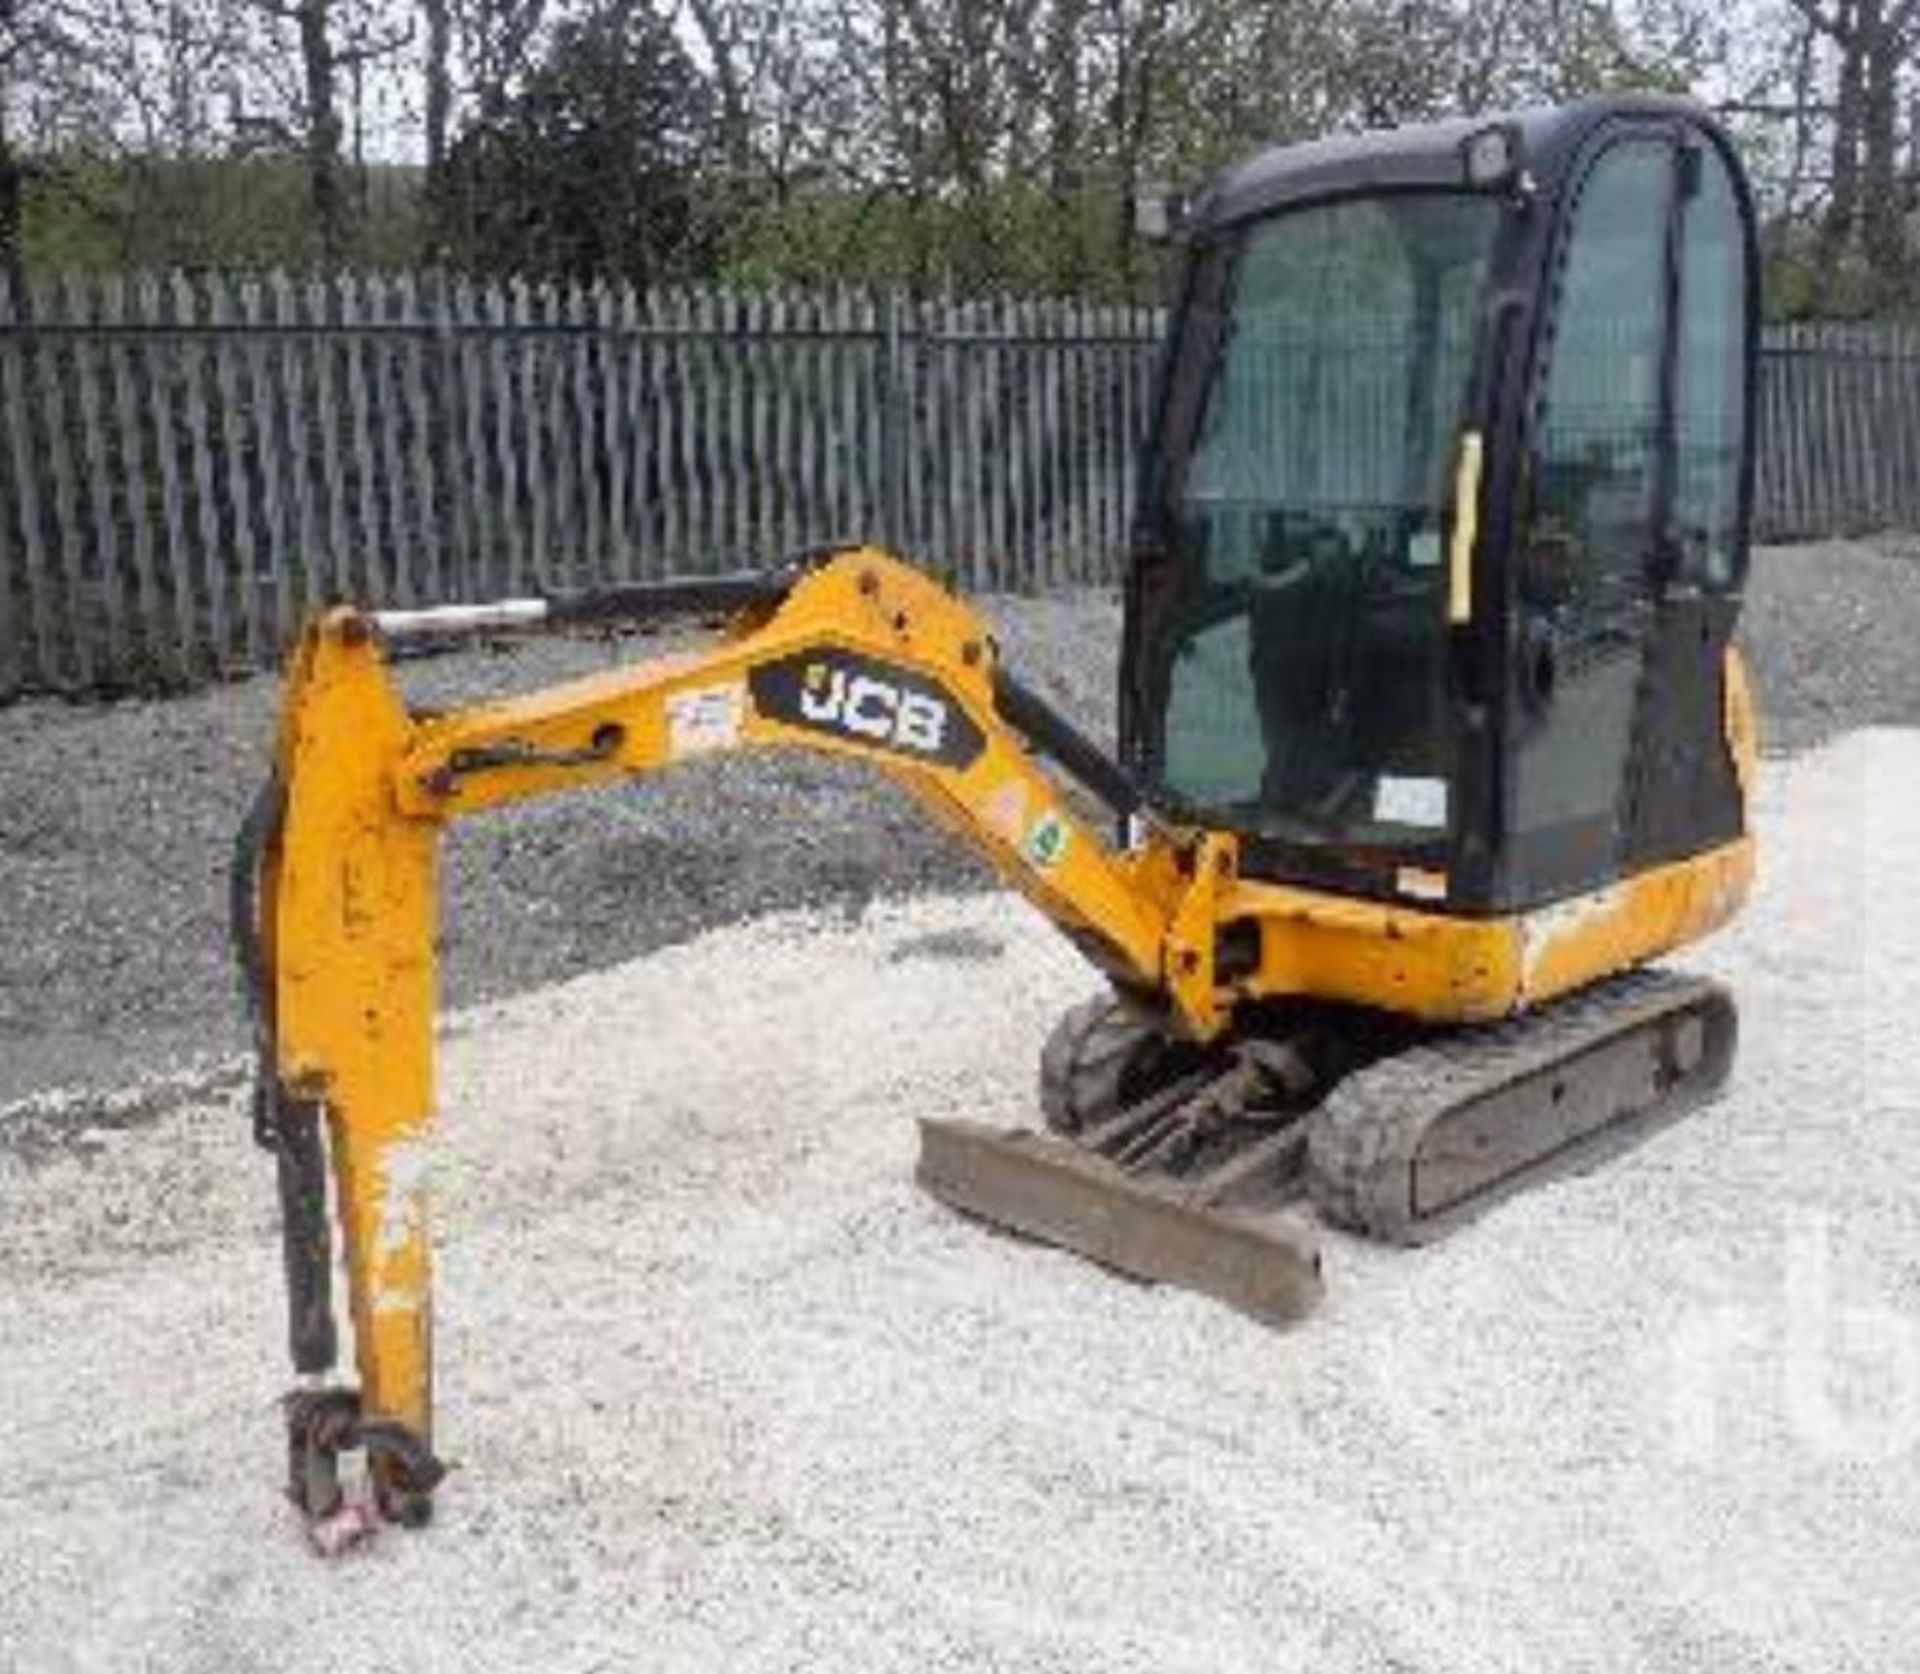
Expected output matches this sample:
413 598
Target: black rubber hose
259 829
641 602
306 1242
644 602
289 1128
1049 731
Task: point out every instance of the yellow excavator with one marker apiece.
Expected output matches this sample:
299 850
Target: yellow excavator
1431 735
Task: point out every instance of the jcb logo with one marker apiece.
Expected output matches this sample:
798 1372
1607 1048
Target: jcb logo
869 707
848 695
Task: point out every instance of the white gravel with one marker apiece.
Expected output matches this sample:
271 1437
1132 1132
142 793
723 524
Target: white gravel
726 1393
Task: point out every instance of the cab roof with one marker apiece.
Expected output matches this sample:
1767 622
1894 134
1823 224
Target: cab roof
1427 154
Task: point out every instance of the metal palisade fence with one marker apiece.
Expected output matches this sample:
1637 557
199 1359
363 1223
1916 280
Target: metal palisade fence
186 465
1838 430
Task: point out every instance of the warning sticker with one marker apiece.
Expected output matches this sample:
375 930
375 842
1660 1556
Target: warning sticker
1421 884
1047 841
1005 811
704 719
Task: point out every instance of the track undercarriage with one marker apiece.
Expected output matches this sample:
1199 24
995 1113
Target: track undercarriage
1207 1167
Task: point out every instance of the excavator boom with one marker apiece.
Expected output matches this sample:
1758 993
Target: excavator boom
859 656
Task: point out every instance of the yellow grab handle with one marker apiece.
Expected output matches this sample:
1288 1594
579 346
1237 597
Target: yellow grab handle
1466 529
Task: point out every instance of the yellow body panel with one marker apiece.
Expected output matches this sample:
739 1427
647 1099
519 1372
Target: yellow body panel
1466 529
1446 969
349 885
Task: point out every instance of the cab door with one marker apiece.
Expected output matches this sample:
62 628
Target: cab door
1623 533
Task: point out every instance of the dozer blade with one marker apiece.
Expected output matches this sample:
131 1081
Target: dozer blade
1265 1262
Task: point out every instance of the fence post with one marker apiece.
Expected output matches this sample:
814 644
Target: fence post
245 564
611 434
27 491
10 361
450 408
176 618
435 567
82 301
893 437
268 399
49 304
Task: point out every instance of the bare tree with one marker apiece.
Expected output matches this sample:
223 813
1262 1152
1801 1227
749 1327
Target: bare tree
780 73
13 181
436 75
1873 44
495 42
333 43
1139 29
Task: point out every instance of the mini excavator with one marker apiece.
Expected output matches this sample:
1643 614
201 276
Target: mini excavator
1432 735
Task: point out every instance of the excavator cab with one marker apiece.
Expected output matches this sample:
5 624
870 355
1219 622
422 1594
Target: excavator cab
1445 516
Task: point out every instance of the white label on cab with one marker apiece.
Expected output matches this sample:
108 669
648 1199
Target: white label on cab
1423 549
1406 800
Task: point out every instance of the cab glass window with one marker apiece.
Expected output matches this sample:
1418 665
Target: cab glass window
1589 539
1591 527
1304 672
1710 384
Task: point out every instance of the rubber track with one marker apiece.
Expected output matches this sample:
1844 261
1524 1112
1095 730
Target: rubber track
1092 1056
1364 1137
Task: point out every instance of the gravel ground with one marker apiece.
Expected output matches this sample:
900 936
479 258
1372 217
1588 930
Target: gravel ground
116 822
727 1393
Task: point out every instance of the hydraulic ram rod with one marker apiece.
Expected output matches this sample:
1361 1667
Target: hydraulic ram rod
635 603
451 621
